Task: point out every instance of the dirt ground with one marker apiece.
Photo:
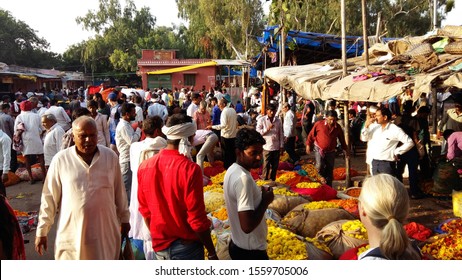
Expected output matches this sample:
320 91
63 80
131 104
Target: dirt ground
428 211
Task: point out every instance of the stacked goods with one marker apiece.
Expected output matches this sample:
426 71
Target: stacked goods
350 205
285 245
307 223
221 214
213 201
219 178
285 200
342 235
312 172
213 188
286 176
317 250
315 190
340 173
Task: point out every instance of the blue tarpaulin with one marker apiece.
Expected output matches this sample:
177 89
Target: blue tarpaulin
315 41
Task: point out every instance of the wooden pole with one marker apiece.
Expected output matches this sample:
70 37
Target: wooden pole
379 23
345 106
365 37
434 111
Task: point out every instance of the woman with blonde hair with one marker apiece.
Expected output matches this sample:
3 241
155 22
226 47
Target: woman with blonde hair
383 208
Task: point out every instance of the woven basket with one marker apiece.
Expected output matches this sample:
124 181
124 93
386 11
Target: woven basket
451 30
424 49
454 48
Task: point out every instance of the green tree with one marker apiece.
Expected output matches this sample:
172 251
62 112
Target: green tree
117 34
20 45
222 28
399 17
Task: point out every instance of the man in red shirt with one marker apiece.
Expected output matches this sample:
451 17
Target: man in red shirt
171 197
323 137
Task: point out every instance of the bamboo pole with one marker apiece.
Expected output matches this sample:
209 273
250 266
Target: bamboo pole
365 37
345 104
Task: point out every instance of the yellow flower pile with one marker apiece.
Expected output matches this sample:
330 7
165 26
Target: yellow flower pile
214 188
207 164
284 157
319 245
322 204
262 182
308 185
452 226
355 229
363 249
446 247
284 191
312 171
284 245
213 201
285 177
221 214
219 178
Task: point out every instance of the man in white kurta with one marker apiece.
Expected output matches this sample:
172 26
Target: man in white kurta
140 151
53 138
87 190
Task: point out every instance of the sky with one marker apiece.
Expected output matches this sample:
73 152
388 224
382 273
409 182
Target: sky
54 20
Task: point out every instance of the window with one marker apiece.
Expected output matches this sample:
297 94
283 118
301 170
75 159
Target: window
189 79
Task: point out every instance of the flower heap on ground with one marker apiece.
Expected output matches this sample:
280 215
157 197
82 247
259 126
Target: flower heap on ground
322 204
284 244
446 246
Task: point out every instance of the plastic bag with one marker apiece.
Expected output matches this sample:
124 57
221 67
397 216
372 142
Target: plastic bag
126 251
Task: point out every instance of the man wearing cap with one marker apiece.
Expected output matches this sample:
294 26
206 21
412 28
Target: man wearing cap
171 198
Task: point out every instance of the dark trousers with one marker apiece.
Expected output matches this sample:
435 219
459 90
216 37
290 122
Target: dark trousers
237 253
2 186
411 159
289 146
325 165
228 151
13 161
270 164
383 166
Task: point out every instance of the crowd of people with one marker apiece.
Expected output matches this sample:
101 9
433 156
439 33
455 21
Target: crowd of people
133 165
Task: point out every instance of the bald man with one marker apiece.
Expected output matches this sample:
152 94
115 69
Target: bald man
84 184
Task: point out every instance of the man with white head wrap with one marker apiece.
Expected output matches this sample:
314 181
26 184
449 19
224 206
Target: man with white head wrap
171 198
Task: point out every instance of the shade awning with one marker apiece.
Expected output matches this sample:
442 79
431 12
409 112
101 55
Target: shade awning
183 68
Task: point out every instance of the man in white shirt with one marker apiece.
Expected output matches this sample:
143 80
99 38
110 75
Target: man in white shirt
246 203
228 127
62 117
157 109
290 133
5 158
196 100
53 138
125 136
385 137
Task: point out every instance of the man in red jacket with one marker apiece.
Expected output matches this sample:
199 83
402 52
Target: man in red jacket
323 137
171 197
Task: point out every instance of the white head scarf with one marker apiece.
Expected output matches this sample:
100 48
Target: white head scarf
181 131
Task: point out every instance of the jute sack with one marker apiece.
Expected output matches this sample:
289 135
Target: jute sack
337 240
283 204
315 253
307 222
